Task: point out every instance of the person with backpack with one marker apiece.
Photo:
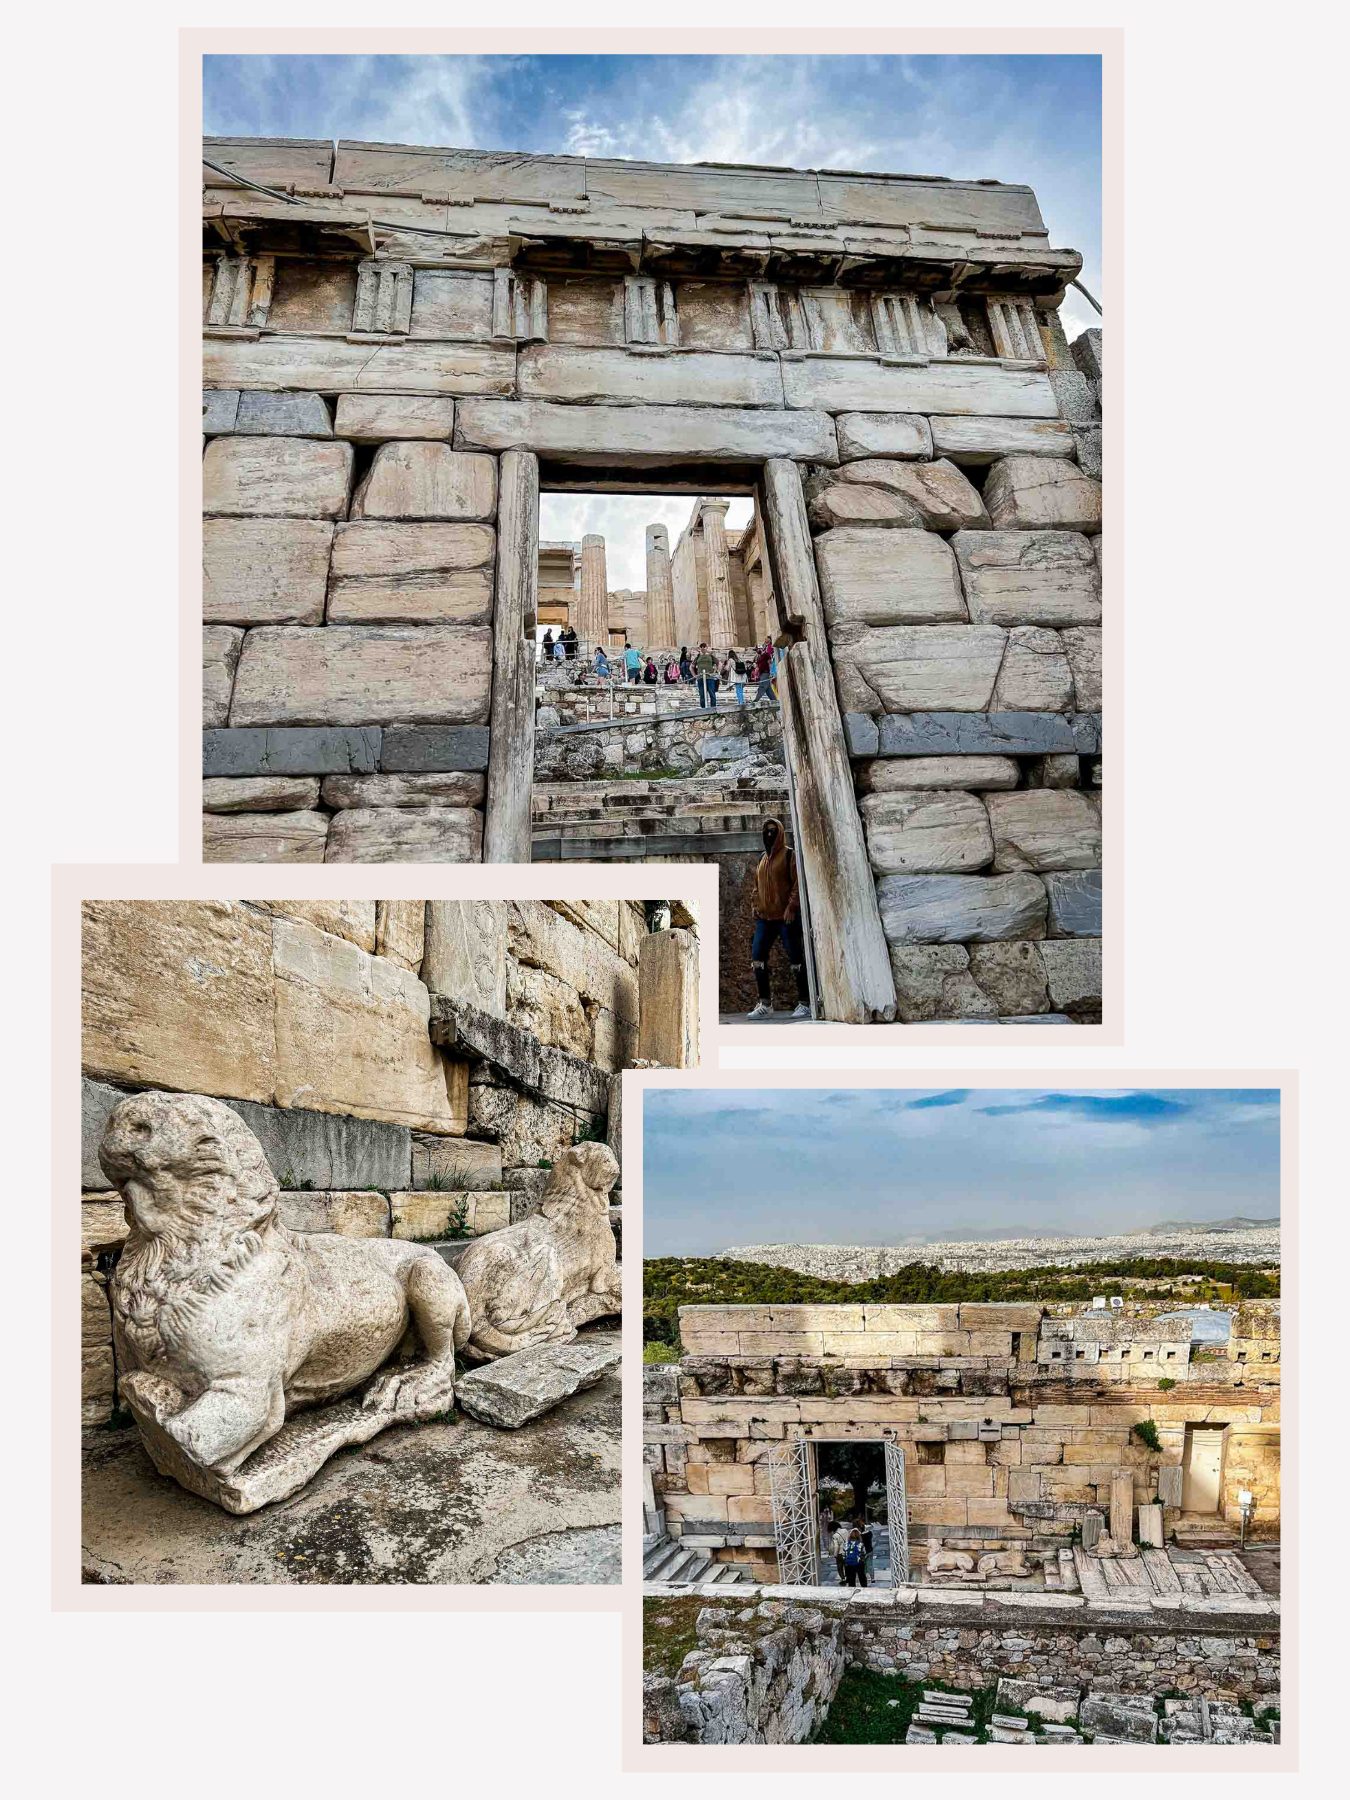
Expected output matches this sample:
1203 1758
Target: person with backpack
706 665
839 1547
736 675
547 645
777 916
633 663
855 1560
686 667
762 673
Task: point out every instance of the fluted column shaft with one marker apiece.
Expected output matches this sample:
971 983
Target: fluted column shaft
660 590
594 607
721 612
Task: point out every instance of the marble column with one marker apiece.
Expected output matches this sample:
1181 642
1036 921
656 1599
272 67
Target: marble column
660 590
721 611
593 626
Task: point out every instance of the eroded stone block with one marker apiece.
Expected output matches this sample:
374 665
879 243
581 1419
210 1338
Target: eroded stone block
1075 904
888 578
465 952
918 833
642 436
260 793
1034 676
606 377
1046 828
264 571
884 434
221 645
1029 577
974 441
903 668
1013 976
977 773
372 418
414 834
434 749
940 495
427 481
363 674
1083 647
524 1386
954 909
453 788
395 573
1042 493
264 837
933 981
263 414
1073 968
276 477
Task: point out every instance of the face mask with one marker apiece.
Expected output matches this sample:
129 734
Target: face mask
770 837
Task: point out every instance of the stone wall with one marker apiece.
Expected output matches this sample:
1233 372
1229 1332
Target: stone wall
690 742
411 1068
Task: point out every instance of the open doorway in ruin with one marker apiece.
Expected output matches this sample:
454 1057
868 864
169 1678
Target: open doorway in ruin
818 1485
640 754
1202 1469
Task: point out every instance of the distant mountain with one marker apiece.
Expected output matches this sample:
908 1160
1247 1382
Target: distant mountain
1236 1223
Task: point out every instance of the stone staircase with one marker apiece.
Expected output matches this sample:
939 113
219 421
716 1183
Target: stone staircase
665 1559
660 817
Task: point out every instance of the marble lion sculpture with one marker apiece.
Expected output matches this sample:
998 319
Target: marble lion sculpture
949 1562
226 1323
536 1282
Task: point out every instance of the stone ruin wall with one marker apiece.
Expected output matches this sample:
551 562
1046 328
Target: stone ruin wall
403 338
1030 1417
408 1066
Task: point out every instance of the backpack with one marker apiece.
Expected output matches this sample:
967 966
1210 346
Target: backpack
854 1554
740 666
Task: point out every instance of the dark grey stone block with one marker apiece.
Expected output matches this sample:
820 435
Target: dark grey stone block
568 1079
1087 734
96 1101
860 729
283 415
976 734
329 1150
451 1249
476 1036
433 749
220 407
1075 903
292 750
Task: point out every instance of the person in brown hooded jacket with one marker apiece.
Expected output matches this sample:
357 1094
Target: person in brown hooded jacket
777 915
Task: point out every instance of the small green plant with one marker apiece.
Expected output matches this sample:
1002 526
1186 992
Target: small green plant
457 1224
660 1353
1166 1383
291 1185
119 1419
544 1163
1147 1433
590 1133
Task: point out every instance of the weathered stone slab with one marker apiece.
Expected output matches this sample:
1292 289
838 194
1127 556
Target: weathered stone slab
1129 1718
276 477
1013 976
332 1152
261 793
954 909
282 415
668 1024
221 645
1087 446
413 574
1042 493
1075 905
372 418
974 441
884 434
400 931
1087 733
609 377
933 981
352 1035
314 751
414 834
264 571
434 749
1073 968
939 493
973 734
363 674
831 504
440 1213
888 578
346 1214
855 385
517 1388
1035 673
465 952
220 409
1046 828
1074 396
427 481
452 788
178 994
97 1100
461 1163
350 919
1029 577
1086 350
1083 647
330 366
977 773
641 436
926 833
264 837
903 668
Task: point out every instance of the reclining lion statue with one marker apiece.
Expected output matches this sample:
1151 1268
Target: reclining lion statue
536 1282
226 1323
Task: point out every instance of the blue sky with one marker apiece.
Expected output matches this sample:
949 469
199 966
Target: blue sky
1032 119
728 1166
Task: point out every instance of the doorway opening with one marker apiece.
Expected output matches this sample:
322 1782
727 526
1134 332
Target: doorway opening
1202 1469
831 1493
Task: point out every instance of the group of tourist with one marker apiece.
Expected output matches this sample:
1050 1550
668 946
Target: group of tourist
711 669
852 1547
560 648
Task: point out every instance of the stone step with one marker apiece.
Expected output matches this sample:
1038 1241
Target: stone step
657 1561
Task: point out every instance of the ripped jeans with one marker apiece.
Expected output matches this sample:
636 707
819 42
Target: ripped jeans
789 933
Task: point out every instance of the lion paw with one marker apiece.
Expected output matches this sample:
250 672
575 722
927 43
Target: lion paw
417 1391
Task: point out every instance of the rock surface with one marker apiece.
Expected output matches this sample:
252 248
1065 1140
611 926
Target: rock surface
410 573
887 774
276 477
926 833
261 793
1042 493
905 668
524 1386
884 434
427 481
887 578
264 837
363 675
265 571
403 833
1029 577
1047 828
954 909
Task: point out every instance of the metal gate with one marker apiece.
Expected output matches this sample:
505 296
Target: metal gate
794 1513
897 1512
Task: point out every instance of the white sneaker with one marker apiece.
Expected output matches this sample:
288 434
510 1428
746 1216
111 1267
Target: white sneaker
762 1011
801 1012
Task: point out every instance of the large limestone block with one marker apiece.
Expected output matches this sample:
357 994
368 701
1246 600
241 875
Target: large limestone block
1083 647
855 385
540 938
465 952
456 1163
888 578
449 1213
427 481
1035 674
400 931
330 1152
350 919
608 377
644 436
1046 828
1075 904
884 434
933 981
260 793
295 478
412 834
264 571
939 493
352 1035
178 994
518 1388
668 1022
954 909
411 574
221 645
330 366
358 1214
892 774
1013 976
973 442
1073 969
363 675
433 749
916 668
831 504
1042 493
916 833
1029 577
373 418
454 788
264 837
282 415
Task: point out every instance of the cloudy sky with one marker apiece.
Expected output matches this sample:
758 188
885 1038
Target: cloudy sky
726 1166
1032 119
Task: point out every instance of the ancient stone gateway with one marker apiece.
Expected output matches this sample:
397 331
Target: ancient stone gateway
400 357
